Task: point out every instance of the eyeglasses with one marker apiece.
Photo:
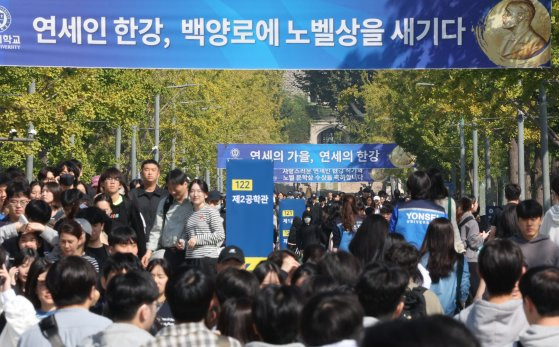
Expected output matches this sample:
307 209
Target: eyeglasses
113 179
19 202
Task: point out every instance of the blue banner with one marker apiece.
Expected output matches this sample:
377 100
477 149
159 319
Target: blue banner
276 34
323 175
307 156
250 208
288 209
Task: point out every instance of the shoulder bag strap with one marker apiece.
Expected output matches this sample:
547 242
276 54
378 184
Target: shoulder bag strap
449 210
469 218
49 329
459 272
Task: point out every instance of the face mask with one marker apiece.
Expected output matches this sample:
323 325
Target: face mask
307 220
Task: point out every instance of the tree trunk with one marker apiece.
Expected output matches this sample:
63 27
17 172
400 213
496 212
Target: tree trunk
513 160
528 171
537 187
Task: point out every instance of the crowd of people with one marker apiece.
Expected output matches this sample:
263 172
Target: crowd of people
108 263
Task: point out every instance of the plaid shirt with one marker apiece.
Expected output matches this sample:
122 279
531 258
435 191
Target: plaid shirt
188 334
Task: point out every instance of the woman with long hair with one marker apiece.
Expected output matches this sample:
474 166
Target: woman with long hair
368 243
471 237
36 290
50 194
348 224
161 272
440 196
445 265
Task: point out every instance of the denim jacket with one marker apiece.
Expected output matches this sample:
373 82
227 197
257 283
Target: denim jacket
445 289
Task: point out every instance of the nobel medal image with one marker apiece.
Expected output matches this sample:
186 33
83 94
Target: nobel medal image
516 33
401 159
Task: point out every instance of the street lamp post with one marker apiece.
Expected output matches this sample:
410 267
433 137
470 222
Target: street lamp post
475 187
30 135
521 174
156 147
462 158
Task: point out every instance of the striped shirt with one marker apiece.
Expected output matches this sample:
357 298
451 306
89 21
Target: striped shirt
207 226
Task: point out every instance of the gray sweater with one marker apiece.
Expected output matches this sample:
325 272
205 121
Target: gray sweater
495 325
540 336
538 251
469 233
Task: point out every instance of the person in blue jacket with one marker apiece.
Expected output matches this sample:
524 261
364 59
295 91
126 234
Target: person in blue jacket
412 218
448 270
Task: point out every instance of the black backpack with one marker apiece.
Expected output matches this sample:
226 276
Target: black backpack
414 303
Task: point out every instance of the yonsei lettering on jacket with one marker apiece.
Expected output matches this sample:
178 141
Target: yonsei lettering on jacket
419 217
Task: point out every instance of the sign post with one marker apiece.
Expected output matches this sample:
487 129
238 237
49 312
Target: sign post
250 208
288 210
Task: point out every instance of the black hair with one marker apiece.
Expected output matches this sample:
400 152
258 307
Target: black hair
529 209
555 184
122 235
134 183
126 293
512 191
103 197
386 209
343 267
541 285
77 163
189 295
70 281
318 283
276 312
150 161
119 262
381 288
235 320
160 262
500 265
465 204
368 243
203 185
69 226
418 185
71 167
54 188
265 267
313 253
71 200
16 188
331 317
39 266
112 172
407 257
15 173
434 331
439 243
24 255
507 225
43 173
176 177
38 211
437 190
33 184
235 283
94 215
278 257
304 271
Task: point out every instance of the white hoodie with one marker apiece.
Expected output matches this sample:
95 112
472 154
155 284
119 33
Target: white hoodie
550 224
